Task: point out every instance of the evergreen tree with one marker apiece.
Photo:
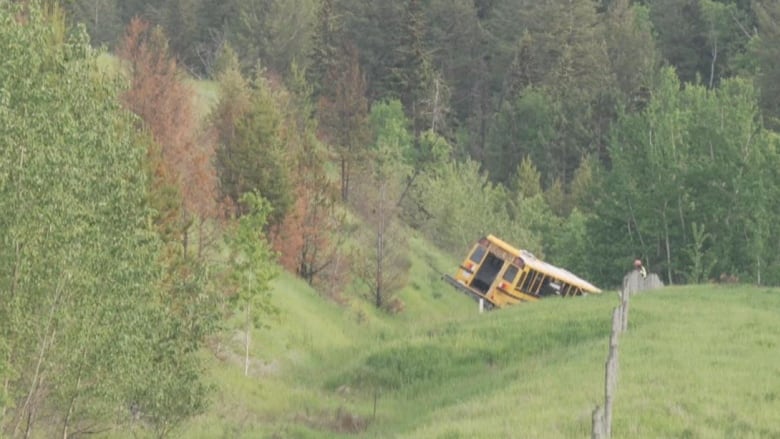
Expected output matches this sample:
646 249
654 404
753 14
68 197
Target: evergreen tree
767 53
631 49
411 75
522 127
562 53
455 40
101 18
326 40
252 156
682 37
344 113
271 32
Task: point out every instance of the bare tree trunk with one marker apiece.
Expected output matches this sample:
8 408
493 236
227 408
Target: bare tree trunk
668 248
682 221
30 422
712 63
636 225
5 392
66 422
408 186
380 244
246 339
344 179
37 377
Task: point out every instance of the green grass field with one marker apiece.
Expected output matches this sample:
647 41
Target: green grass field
696 362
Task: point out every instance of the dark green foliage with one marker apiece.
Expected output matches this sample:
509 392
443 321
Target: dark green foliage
522 128
767 54
271 32
374 26
682 37
411 74
253 157
703 40
632 52
326 43
101 18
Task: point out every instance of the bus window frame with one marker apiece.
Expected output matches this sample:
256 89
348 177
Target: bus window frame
529 281
509 267
482 256
538 282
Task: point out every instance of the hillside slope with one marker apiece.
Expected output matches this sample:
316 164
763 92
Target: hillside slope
696 362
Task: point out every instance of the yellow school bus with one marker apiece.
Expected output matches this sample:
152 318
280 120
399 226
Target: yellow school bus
503 275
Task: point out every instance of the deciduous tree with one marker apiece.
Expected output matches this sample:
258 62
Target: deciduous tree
82 323
382 262
252 261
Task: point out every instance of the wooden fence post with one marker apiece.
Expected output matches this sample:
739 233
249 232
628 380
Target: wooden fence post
602 418
610 381
598 423
624 299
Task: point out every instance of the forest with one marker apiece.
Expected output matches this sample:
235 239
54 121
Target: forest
162 160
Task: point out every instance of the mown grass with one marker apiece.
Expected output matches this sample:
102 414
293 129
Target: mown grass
697 362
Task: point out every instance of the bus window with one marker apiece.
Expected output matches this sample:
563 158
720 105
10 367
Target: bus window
538 282
529 280
510 274
471 264
476 256
523 275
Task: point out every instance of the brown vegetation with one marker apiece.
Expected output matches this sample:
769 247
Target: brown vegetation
181 157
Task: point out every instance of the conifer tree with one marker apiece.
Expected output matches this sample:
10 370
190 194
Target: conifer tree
767 51
252 155
326 40
344 114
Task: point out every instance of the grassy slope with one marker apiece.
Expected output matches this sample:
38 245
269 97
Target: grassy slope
697 362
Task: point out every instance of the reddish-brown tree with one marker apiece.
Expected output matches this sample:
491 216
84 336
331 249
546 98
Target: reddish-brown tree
307 238
162 99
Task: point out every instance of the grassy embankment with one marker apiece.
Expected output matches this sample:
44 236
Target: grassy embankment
697 361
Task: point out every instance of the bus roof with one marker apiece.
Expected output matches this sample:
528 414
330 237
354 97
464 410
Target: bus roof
543 267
